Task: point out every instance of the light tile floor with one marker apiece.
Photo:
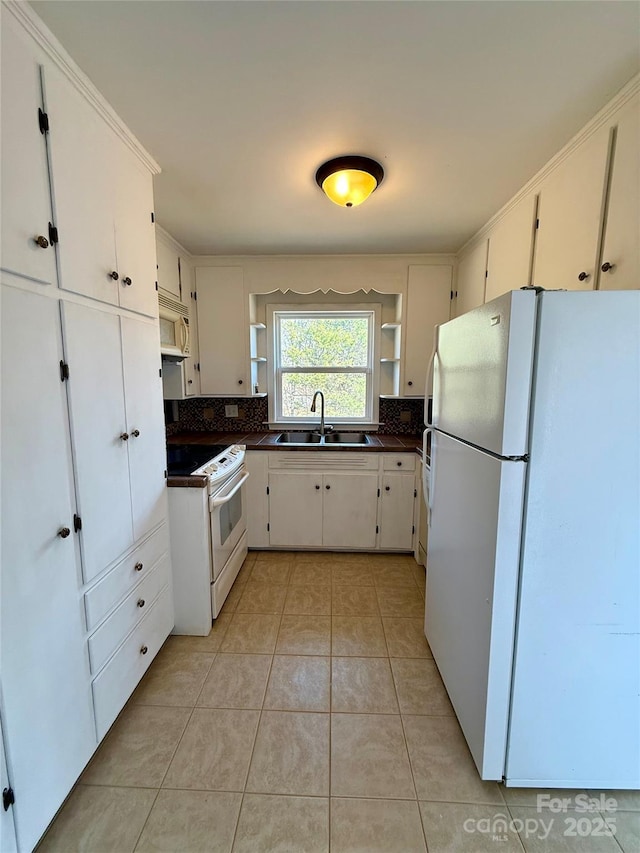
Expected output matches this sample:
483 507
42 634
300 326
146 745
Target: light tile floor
312 718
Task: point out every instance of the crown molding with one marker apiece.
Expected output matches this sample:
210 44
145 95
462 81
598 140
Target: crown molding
171 241
628 91
42 35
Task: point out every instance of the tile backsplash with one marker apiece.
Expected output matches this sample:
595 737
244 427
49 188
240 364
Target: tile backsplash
207 414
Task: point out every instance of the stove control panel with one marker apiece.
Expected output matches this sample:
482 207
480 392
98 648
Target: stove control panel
224 463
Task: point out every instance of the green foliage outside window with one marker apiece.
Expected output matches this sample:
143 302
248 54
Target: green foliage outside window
324 342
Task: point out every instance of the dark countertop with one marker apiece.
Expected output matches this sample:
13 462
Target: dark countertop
267 441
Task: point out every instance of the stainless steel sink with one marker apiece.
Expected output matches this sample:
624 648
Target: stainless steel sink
354 438
346 438
298 438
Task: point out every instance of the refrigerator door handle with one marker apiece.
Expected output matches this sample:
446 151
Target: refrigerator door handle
429 381
428 470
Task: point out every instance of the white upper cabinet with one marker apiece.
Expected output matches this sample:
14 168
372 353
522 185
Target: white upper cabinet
222 331
143 402
103 202
48 717
168 262
26 200
84 190
428 305
135 233
620 260
100 437
569 214
471 278
511 249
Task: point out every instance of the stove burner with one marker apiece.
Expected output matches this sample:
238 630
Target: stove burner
182 459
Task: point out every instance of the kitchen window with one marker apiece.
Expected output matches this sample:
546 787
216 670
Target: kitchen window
328 349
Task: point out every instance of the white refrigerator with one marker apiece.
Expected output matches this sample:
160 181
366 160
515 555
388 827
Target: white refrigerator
533 566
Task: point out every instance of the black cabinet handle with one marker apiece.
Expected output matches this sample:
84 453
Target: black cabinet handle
317 487
127 281
327 487
64 532
409 382
138 567
583 276
124 436
41 241
114 275
144 650
607 267
135 433
387 488
141 602
399 464
239 381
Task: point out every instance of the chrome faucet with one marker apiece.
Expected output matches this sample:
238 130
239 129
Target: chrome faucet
323 428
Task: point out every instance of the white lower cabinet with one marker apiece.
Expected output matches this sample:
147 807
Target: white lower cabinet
295 509
349 509
116 404
46 692
333 500
397 500
115 683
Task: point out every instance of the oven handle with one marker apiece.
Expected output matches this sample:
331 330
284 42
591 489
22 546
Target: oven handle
216 502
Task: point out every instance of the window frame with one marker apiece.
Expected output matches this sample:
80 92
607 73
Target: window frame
274 312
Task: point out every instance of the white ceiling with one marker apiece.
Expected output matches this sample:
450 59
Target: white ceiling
240 102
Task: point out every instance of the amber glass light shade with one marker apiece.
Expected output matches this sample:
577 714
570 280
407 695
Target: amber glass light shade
348 181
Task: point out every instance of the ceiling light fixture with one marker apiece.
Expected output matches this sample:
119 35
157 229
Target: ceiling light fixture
348 181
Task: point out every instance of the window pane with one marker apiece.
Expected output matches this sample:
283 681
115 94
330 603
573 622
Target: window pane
344 393
324 342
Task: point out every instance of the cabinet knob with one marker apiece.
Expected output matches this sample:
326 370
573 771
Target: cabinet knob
127 281
141 602
607 267
189 381
583 276
240 382
144 650
138 567
64 532
327 487
387 488
135 433
399 464
41 241
114 275
409 382
124 436
317 487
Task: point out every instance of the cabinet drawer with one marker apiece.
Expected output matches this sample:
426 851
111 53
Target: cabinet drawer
116 682
113 631
399 462
111 589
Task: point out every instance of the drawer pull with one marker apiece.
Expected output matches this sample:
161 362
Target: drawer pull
138 567
114 275
144 650
127 281
399 464
64 532
41 241
387 488
135 433
141 602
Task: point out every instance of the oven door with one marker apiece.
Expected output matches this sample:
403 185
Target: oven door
228 511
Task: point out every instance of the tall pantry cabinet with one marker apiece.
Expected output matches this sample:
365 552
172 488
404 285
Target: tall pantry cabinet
83 503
